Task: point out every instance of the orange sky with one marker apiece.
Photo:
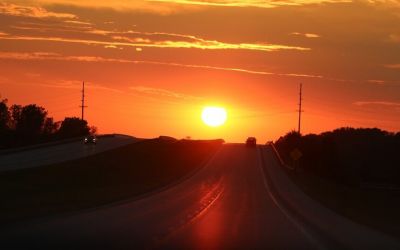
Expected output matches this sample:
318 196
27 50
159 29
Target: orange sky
150 66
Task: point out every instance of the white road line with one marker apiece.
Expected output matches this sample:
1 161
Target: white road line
291 218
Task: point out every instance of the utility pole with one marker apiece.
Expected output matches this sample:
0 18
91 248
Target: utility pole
83 101
300 110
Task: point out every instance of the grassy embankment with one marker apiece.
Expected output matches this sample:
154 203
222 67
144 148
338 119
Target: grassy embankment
340 168
111 176
375 208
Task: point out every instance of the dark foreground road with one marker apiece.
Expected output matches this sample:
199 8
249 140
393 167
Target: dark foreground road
227 204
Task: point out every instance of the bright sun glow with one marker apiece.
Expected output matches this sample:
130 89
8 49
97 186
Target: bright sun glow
214 116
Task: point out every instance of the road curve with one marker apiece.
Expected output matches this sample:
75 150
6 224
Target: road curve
225 205
61 152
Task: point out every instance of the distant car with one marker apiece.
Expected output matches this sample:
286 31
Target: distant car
90 139
251 142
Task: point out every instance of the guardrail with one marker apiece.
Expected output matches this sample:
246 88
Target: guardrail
278 156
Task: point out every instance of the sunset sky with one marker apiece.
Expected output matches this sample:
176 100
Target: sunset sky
151 66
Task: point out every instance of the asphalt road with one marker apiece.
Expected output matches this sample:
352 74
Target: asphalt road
59 153
227 204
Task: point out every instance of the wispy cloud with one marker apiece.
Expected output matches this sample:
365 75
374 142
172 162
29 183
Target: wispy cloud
393 66
379 82
43 28
77 84
111 47
59 57
391 3
163 92
31 11
28 56
78 32
145 42
378 103
395 37
249 3
166 7
307 35
254 72
78 22
148 39
171 6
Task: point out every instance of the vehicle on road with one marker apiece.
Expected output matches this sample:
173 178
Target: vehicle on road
251 142
90 139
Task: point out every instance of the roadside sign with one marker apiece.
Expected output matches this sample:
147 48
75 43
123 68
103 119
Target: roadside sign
296 154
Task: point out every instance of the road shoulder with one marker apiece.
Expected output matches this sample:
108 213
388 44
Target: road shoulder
330 225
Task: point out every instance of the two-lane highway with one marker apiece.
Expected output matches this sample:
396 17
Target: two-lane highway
225 205
245 214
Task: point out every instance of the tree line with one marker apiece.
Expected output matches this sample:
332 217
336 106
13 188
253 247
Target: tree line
346 155
30 124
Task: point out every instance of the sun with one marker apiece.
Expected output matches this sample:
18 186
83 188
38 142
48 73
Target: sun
214 116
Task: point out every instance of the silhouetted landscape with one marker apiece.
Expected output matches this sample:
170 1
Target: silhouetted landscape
347 155
354 172
30 124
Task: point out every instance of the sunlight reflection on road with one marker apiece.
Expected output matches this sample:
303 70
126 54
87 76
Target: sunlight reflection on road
209 193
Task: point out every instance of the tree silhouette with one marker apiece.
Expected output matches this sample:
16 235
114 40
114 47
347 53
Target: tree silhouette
4 117
29 122
50 127
73 127
15 112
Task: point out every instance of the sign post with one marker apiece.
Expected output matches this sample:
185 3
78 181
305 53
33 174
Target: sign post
296 154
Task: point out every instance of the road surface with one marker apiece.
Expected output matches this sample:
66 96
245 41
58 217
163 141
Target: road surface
59 153
227 204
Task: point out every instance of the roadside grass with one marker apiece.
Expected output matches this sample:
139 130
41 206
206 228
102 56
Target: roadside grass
111 176
379 209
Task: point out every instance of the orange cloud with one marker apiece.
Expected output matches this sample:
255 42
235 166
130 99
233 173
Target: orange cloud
141 39
393 66
144 42
28 56
163 92
59 57
379 82
76 84
31 11
391 3
307 35
250 3
120 5
377 103
78 22
172 41
394 37
172 6
111 47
